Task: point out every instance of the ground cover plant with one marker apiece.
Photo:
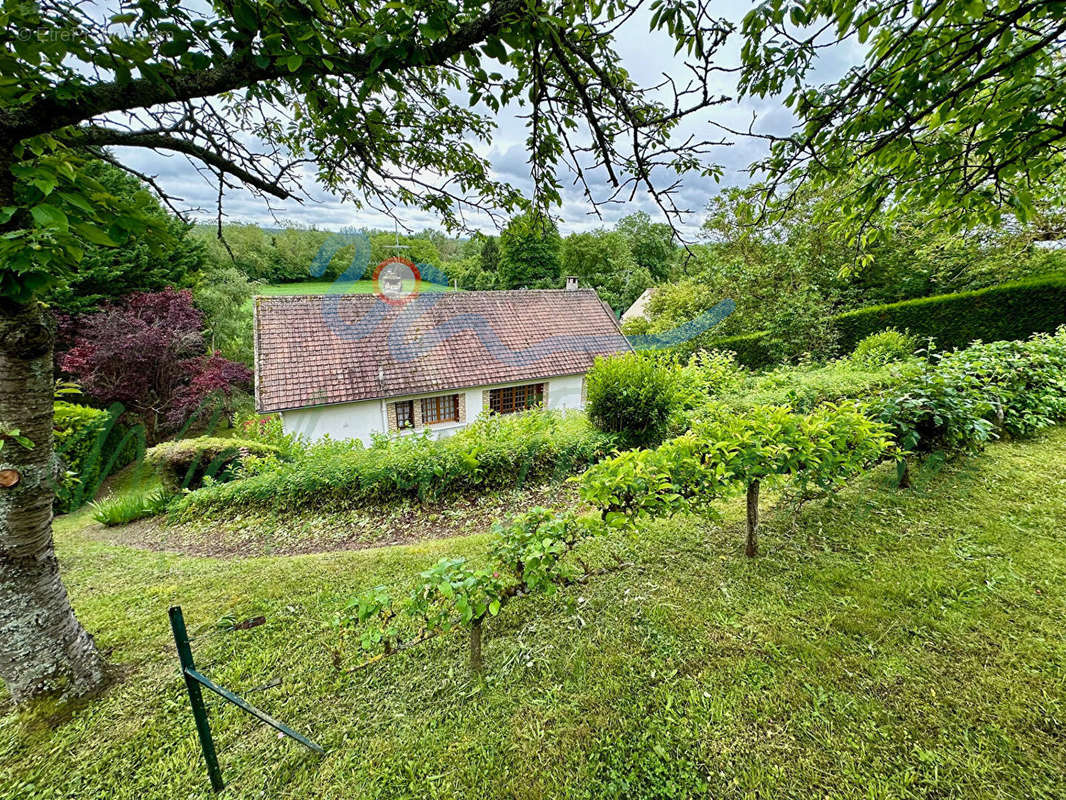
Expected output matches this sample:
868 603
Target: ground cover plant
130 506
913 631
961 400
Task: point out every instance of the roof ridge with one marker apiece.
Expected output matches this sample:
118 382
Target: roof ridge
449 293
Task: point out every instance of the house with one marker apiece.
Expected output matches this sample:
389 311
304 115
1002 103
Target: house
358 364
639 309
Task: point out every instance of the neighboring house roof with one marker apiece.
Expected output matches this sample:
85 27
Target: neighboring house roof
639 307
327 349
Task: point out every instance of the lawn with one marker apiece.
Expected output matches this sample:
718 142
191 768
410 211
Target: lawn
897 644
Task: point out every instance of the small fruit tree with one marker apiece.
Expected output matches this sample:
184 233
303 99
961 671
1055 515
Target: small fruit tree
528 554
816 452
537 551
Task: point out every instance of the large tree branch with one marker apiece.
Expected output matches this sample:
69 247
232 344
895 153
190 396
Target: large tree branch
98 136
67 105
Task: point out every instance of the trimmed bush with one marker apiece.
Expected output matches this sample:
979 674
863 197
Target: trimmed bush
494 452
1008 311
634 395
92 445
187 463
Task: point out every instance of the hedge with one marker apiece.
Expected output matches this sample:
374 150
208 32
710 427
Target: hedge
1005 312
752 349
92 445
494 452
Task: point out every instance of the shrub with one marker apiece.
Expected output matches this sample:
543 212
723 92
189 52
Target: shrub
1024 383
494 452
147 352
635 396
1008 311
92 445
817 452
268 429
188 463
714 372
884 347
938 410
129 507
958 400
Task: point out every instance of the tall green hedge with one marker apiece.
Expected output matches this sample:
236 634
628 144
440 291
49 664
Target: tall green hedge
751 348
1005 312
92 445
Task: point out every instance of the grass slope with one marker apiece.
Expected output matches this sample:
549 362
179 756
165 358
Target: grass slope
897 645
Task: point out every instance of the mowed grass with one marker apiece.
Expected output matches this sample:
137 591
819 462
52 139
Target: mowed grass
897 644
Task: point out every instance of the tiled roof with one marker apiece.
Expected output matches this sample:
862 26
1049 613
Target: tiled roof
327 349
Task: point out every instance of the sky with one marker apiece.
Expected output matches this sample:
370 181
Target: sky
645 55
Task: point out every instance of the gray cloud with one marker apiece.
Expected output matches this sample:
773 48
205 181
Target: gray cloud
646 56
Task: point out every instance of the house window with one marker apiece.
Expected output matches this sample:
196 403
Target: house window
444 408
510 399
405 414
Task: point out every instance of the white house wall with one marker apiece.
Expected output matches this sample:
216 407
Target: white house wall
363 419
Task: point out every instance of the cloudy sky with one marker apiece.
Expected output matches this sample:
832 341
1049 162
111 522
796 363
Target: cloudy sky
646 56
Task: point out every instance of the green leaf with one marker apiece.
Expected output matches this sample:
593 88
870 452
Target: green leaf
94 235
48 216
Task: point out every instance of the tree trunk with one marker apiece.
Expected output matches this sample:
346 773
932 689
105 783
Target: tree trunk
751 548
477 666
43 648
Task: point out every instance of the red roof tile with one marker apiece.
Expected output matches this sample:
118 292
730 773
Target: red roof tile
327 349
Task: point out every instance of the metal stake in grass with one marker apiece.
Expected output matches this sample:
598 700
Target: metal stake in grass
194 680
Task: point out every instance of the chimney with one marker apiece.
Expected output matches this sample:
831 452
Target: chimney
571 283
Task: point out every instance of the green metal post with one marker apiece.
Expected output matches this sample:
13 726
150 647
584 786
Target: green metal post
196 698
